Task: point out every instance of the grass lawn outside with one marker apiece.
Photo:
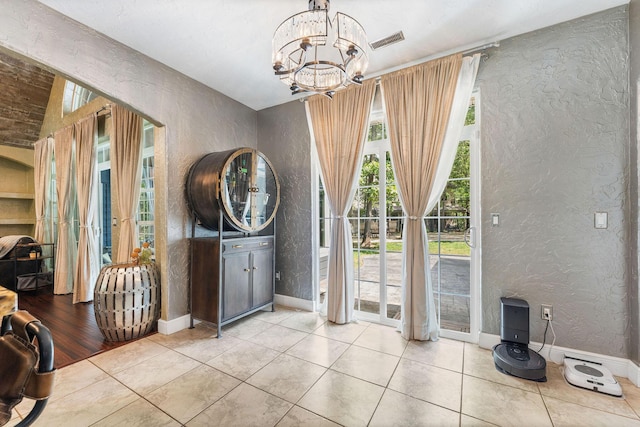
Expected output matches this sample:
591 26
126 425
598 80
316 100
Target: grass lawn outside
446 248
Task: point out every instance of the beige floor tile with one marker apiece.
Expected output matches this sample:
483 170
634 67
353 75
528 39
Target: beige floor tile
145 377
467 421
201 330
557 387
429 383
631 394
287 377
191 393
501 404
444 353
368 365
243 360
15 419
569 414
246 328
244 406
278 338
207 348
348 332
24 407
75 377
87 406
301 417
138 414
129 355
343 399
305 321
277 316
382 338
478 362
320 350
397 409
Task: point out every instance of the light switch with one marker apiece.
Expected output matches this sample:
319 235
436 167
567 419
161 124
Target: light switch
601 220
495 219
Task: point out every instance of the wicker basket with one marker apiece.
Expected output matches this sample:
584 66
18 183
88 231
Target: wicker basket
126 300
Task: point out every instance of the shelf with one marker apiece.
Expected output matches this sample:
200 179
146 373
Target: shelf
17 221
6 195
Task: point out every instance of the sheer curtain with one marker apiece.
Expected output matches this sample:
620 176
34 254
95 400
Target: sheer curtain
66 250
88 262
126 164
43 150
339 130
464 88
418 102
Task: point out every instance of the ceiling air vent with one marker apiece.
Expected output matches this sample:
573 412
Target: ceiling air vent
386 41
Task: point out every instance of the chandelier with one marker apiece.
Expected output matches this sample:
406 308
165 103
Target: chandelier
312 53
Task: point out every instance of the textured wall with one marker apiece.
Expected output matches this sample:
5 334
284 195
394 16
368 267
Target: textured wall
634 237
197 120
555 142
284 139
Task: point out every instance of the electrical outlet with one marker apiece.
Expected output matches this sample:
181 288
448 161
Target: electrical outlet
546 312
278 275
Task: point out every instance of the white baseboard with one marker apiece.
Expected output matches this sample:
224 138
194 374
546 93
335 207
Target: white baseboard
618 366
168 327
299 303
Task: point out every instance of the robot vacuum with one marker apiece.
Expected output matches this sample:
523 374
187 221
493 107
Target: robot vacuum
513 355
591 375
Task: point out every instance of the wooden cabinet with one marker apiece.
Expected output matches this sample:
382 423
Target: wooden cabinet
231 278
236 193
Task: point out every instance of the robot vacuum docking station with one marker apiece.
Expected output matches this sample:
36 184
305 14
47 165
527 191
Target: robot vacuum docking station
513 355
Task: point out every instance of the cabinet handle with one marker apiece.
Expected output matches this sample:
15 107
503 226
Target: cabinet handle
236 246
264 243
255 268
246 269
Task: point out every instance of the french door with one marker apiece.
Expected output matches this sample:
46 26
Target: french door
377 220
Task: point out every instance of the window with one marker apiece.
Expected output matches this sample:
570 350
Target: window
75 96
145 215
146 227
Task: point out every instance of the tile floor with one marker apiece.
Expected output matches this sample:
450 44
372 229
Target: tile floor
291 368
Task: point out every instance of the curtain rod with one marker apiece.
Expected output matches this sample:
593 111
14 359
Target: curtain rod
469 52
105 107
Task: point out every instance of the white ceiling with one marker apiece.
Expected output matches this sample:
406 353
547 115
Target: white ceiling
226 44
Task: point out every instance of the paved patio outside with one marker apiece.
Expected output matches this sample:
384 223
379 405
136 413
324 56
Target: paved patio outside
453 295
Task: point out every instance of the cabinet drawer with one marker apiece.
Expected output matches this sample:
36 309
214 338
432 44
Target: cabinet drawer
247 245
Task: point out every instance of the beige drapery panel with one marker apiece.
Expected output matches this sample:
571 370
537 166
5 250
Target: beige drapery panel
418 102
126 164
339 129
42 156
66 250
88 261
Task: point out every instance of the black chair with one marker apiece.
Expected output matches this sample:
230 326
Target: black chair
26 369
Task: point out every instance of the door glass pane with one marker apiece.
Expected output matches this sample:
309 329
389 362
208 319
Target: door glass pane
266 192
447 227
365 220
238 182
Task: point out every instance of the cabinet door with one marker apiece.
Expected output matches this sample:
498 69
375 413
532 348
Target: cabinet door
236 291
265 192
238 188
262 277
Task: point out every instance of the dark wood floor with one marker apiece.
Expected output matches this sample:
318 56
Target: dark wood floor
73 326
